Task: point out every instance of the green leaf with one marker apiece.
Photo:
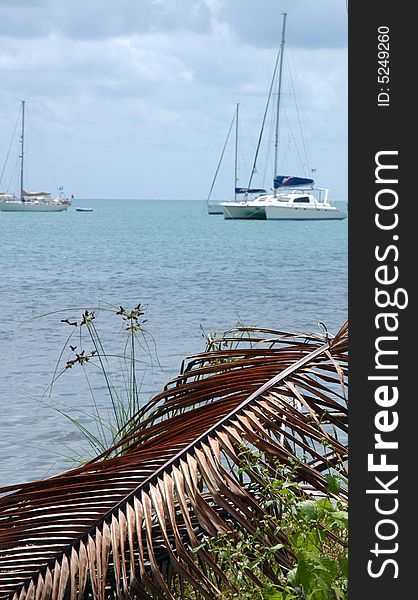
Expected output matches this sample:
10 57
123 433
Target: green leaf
325 505
343 564
340 517
334 484
303 574
331 567
276 547
274 596
198 548
308 510
292 577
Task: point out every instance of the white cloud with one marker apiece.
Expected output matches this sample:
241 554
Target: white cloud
150 87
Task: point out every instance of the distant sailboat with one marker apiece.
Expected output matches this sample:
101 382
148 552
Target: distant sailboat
216 208
31 201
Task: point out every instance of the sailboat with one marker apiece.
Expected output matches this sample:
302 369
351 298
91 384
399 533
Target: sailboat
300 200
216 208
31 201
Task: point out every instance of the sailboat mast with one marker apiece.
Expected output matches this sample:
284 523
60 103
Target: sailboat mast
22 141
279 89
236 151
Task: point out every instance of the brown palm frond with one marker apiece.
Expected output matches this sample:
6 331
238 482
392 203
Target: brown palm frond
132 522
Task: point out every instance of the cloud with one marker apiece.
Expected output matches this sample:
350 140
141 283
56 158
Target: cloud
91 19
255 23
150 86
311 24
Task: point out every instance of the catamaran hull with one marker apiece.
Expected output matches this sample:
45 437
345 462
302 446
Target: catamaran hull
31 207
244 211
302 213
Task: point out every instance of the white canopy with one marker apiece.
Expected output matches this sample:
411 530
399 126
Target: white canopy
25 193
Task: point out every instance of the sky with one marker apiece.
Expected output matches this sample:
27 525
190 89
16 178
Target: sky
134 98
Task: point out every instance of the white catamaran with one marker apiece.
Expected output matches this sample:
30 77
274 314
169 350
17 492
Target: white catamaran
31 201
291 197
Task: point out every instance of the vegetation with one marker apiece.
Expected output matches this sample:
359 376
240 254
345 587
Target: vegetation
230 483
106 422
317 537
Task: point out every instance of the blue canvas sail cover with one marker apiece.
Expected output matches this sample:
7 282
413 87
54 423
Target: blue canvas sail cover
241 190
288 181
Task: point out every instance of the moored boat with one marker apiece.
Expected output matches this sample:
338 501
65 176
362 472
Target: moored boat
292 197
31 201
216 208
46 204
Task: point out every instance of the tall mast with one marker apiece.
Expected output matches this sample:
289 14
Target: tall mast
22 140
279 89
236 151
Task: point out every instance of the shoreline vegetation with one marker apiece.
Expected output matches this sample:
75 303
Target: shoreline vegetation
229 483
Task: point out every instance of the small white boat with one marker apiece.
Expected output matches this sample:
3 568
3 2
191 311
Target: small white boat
31 201
83 209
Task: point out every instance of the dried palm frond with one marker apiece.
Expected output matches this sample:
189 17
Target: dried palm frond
131 522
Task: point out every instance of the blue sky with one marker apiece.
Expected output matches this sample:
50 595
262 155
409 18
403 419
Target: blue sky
133 99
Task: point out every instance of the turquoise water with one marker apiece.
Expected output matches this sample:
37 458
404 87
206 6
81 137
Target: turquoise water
194 271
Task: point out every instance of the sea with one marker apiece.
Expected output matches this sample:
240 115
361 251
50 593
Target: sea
194 274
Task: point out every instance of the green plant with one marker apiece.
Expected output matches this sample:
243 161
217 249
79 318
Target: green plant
316 537
106 423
